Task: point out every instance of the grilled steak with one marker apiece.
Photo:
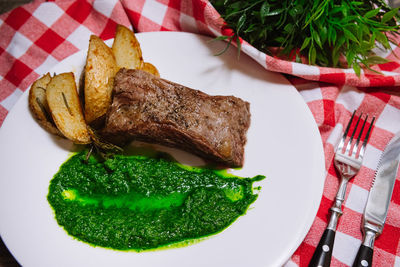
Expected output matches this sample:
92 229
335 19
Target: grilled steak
155 110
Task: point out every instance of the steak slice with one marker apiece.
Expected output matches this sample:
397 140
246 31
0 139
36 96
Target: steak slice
154 110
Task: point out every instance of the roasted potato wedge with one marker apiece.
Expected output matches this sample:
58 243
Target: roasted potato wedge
150 68
39 106
126 49
66 109
100 70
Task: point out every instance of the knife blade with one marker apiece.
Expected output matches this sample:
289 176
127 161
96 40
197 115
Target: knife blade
378 201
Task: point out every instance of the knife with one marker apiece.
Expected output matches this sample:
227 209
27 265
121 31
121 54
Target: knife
378 201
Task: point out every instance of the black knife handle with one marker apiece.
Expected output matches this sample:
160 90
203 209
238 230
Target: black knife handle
364 257
323 253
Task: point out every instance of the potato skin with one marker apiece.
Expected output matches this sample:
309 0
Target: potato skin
150 68
65 108
39 106
100 70
126 49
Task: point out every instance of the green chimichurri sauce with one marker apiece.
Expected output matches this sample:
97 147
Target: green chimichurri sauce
141 203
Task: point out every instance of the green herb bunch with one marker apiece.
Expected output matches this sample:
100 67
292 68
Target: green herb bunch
323 31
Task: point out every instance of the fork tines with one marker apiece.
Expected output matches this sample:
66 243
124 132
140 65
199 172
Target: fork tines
351 149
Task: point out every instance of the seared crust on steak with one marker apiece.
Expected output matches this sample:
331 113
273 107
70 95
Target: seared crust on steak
155 110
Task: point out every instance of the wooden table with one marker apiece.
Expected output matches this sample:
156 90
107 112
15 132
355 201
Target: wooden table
6 259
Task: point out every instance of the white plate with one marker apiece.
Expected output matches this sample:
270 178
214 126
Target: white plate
283 143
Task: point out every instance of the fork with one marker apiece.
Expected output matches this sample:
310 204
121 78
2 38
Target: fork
348 163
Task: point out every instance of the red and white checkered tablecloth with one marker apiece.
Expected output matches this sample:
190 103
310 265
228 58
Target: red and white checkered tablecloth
35 37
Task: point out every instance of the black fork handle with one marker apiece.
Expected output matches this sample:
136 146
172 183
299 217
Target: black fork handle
323 253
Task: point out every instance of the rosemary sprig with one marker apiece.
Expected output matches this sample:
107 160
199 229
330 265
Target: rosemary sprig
335 33
103 148
66 104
